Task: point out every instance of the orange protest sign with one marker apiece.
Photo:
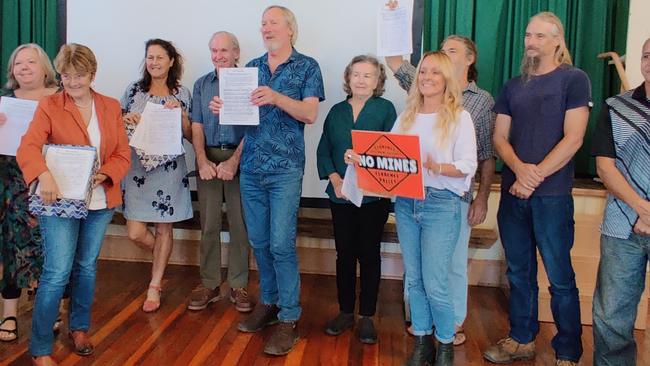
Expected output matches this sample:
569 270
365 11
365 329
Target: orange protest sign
390 163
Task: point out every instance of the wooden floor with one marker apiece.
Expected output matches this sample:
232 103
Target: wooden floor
124 335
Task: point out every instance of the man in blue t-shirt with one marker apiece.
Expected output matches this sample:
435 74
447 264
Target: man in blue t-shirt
272 166
541 121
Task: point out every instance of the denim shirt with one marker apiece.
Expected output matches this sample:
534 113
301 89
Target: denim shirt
277 145
205 88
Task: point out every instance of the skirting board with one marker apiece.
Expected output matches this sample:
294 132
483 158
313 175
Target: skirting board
313 260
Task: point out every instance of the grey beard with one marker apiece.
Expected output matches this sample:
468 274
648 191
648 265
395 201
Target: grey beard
529 66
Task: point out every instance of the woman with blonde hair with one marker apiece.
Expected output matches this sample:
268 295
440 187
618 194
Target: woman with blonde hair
428 229
29 76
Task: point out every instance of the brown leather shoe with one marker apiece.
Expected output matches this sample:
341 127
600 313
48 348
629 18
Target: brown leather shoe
239 297
81 343
282 340
202 296
508 350
261 317
44 361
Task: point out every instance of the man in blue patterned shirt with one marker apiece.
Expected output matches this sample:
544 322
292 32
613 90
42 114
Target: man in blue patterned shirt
272 165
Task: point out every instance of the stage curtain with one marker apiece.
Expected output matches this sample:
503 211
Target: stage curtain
27 21
498 27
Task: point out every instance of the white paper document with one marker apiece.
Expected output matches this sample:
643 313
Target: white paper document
394 30
19 113
71 168
235 87
159 131
350 187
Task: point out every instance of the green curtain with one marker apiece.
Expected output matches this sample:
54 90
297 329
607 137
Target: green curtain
498 27
27 21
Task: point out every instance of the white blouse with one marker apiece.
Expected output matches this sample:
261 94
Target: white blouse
98 195
459 150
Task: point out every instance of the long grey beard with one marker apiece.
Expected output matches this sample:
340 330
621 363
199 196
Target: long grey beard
529 66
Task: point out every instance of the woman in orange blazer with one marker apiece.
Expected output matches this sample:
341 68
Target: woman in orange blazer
76 116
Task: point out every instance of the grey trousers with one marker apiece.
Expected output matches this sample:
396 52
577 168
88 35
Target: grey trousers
211 198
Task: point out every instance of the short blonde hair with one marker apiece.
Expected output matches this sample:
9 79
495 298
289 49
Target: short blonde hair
76 57
291 21
43 60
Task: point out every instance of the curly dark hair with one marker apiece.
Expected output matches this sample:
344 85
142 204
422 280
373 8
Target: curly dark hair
175 71
381 77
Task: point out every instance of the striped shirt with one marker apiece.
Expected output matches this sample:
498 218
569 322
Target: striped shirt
623 133
477 102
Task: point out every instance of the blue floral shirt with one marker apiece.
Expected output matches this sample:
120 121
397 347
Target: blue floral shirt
278 143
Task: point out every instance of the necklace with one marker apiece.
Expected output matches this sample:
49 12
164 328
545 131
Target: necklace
83 106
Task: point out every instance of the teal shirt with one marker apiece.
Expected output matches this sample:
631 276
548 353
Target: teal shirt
378 114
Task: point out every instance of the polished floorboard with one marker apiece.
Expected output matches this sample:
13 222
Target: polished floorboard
124 335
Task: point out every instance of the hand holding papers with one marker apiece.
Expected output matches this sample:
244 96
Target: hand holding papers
350 187
394 31
235 87
159 131
71 171
19 113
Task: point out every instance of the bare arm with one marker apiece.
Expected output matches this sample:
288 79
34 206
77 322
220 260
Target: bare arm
394 62
528 175
575 125
618 186
207 169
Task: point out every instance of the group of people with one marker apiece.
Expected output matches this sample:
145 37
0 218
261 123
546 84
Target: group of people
536 126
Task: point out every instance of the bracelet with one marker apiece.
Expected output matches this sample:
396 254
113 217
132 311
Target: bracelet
439 169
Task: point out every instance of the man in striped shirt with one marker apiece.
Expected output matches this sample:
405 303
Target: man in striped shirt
621 146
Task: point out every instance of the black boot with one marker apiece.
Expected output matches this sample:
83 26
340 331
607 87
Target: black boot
423 352
445 354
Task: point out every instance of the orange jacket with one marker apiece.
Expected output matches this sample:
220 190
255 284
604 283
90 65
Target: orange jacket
58 121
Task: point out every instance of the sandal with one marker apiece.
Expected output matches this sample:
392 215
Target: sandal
12 334
459 337
151 306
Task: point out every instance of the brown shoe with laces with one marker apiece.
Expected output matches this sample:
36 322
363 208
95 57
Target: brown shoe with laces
281 342
261 317
508 350
565 363
202 296
239 297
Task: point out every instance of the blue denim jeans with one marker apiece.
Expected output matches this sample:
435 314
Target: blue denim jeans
620 283
543 223
270 202
70 249
458 273
428 233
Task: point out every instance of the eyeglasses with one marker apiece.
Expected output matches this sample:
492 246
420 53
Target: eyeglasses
75 77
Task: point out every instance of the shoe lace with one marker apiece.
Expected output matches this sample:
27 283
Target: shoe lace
508 344
565 363
241 295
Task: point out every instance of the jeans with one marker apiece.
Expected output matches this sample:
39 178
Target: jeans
70 248
458 273
620 283
357 234
270 202
428 232
543 223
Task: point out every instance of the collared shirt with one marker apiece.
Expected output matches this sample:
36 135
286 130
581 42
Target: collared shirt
622 133
278 143
477 102
378 114
205 88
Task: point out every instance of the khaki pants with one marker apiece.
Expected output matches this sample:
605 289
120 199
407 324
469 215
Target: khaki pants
211 197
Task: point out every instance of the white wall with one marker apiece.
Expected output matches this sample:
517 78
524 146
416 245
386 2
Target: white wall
638 31
330 31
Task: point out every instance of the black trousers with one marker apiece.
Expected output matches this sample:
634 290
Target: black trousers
357 233
11 291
